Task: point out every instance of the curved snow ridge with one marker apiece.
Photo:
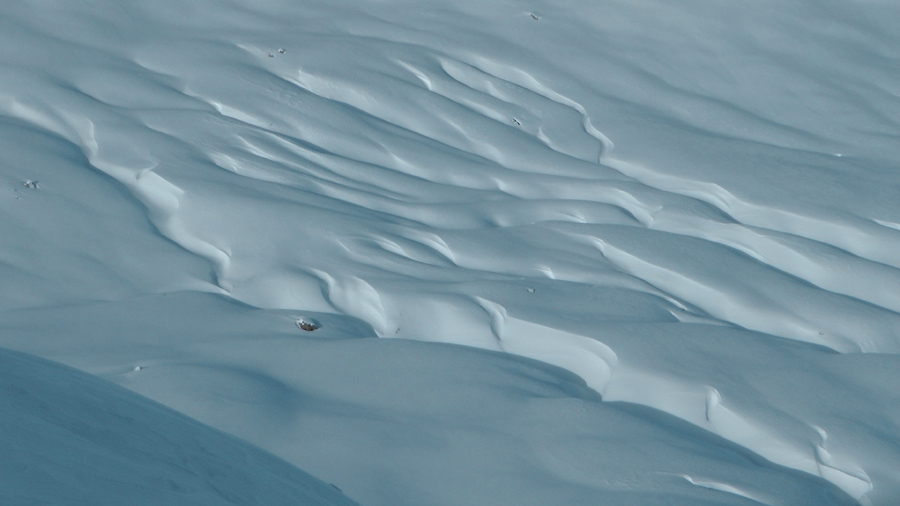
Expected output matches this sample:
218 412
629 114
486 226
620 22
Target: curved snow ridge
854 481
703 406
822 265
319 162
162 199
364 412
480 85
724 487
433 188
471 111
353 296
522 78
112 153
851 234
793 311
777 254
590 359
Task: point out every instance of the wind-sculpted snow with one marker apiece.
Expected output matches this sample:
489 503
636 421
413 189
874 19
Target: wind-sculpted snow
395 421
691 206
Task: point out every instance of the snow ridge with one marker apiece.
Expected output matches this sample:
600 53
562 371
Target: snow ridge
635 208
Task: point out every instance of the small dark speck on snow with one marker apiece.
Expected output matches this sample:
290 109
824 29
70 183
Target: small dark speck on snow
307 325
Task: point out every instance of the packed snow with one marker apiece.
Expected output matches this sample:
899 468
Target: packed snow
450 253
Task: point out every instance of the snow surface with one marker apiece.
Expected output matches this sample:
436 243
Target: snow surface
686 209
71 438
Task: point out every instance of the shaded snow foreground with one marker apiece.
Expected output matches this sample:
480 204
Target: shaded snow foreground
70 438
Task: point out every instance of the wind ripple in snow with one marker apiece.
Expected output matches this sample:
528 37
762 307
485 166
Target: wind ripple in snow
426 184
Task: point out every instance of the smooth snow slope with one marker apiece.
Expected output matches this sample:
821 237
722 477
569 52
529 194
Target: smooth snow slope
70 438
692 206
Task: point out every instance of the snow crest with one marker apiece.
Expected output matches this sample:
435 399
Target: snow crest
691 208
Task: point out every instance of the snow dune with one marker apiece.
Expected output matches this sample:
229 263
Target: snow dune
691 207
398 421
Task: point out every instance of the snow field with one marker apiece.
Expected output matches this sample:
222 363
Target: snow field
691 207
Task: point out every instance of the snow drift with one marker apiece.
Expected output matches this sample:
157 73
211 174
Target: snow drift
690 206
